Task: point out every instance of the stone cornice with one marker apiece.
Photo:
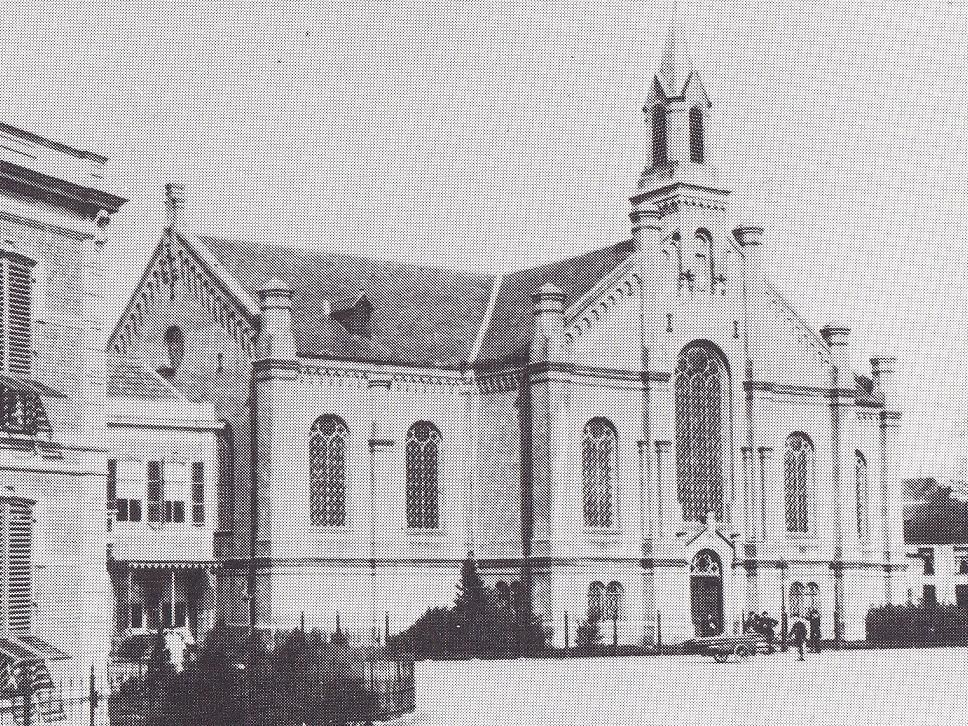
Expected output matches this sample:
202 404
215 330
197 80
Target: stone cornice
42 186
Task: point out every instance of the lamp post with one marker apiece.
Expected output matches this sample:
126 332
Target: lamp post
784 621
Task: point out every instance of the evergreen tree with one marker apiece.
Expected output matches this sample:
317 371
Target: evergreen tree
471 609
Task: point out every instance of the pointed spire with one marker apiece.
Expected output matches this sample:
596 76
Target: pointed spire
676 65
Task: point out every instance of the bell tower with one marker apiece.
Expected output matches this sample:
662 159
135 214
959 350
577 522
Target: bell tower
678 113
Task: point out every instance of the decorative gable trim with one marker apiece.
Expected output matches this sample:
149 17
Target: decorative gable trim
623 282
175 259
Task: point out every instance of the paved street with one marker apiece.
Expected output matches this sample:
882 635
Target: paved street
924 687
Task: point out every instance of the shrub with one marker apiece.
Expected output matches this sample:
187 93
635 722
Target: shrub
588 635
479 624
923 624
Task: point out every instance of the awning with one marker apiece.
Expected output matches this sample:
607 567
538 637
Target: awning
26 385
164 564
20 648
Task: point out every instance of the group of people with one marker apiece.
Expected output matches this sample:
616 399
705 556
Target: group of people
803 631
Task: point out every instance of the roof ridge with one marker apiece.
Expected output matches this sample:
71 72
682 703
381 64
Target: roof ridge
486 323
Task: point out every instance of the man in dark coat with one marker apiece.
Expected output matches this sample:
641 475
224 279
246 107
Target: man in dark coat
769 628
798 633
813 617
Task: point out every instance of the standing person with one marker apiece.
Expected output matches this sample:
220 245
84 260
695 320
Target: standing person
712 627
799 635
813 617
769 629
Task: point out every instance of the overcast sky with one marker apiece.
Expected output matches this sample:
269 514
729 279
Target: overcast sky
504 134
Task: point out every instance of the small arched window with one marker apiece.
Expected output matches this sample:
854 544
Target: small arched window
598 472
614 596
860 476
327 472
175 344
796 599
696 141
595 592
798 470
423 465
659 143
813 595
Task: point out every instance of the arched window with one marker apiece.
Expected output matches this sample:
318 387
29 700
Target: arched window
702 403
796 599
598 472
659 144
614 596
226 478
175 344
595 591
327 472
423 464
860 475
798 470
696 141
813 595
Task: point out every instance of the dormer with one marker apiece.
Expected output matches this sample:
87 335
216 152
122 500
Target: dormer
354 313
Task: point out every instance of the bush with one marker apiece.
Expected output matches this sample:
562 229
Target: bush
302 679
588 635
479 624
924 624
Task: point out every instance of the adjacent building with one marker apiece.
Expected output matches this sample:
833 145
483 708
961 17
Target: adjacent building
649 431
55 209
161 494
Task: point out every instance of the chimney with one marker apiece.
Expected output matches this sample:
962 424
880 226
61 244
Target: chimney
837 336
882 371
548 343
275 339
175 205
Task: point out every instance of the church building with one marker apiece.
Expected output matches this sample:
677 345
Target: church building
647 432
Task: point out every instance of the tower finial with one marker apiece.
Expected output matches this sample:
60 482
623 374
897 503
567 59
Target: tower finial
675 67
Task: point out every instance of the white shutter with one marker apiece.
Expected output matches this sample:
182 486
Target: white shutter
19 573
19 318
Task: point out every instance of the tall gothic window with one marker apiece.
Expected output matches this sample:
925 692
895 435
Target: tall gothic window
595 592
423 463
798 469
598 472
659 143
696 141
702 402
860 475
327 472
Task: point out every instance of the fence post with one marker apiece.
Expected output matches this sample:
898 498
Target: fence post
658 631
26 687
386 624
93 696
566 632
614 633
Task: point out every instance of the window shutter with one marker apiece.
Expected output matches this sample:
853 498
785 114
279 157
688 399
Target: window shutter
19 575
19 280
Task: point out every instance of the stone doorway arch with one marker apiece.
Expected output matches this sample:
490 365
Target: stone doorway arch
706 590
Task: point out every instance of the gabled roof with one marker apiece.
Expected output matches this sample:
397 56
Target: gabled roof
130 379
424 316
509 332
